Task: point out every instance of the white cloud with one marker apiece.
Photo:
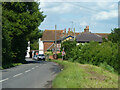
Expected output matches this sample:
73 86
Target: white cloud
107 5
57 7
103 15
77 0
84 23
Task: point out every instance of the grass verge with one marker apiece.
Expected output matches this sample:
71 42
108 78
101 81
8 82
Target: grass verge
75 75
10 65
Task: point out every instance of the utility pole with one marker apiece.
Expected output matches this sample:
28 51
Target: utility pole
74 33
55 40
72 25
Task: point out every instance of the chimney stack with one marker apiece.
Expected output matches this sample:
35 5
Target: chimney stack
65 30
86 29
69 29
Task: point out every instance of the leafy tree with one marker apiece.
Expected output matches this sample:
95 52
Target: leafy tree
34 45
95 53
115 35
68 45
20 21
115 38
34 38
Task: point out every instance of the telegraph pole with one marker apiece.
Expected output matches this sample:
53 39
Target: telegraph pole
72 25
74 33
55 40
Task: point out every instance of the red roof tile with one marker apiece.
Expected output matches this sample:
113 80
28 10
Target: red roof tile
49 35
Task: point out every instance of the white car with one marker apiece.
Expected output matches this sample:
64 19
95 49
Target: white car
41 57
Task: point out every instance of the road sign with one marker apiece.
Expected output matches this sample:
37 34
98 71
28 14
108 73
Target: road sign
37 53
63 53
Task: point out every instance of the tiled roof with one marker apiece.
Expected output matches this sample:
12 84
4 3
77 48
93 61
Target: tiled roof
77 33
105 35
49 35
87 37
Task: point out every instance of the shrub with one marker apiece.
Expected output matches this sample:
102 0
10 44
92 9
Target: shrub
68 46
107 67
59 55
95 53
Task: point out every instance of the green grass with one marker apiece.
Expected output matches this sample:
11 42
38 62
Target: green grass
75 75
10 65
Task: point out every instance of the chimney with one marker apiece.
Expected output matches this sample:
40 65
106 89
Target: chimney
65 30
69 29
86 29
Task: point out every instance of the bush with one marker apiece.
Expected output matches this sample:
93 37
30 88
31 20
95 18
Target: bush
59 55
95 53
68 46
107 67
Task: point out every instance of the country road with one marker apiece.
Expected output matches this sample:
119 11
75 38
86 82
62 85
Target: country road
34 74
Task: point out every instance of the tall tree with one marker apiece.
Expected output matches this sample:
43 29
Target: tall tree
19 21
115 38
115 35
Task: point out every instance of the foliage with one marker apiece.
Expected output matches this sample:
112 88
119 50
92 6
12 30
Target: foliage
10 65
104 39
95 53
20 21
49 52
75 75
115 38
107 67
59 55
34 38
115 35
68 45
34 45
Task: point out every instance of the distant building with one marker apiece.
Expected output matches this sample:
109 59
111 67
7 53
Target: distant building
48 37
87 36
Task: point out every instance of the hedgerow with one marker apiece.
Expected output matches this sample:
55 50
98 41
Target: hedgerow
95 53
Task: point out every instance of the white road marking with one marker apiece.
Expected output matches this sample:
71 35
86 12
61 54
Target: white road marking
4 79
33 68
28 71
17 74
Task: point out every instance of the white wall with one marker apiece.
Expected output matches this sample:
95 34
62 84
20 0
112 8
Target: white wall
28 50
41 47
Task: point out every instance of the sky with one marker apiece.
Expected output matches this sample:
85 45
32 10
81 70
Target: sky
101 17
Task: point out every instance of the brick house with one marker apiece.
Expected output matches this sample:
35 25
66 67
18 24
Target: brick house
48 37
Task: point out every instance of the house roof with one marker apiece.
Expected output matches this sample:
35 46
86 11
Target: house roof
105 35
65 37
49 35
77 33
87 37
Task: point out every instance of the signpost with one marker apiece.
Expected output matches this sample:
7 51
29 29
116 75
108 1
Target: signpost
63 53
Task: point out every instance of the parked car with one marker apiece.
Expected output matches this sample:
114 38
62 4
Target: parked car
35 57
41 57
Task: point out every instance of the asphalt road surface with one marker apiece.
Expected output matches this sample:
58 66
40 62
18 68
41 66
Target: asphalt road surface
34 74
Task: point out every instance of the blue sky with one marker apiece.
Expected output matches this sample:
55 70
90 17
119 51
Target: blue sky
101 17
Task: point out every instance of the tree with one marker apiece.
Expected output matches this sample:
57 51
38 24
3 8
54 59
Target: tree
115 38
115 35
68 46
20 21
